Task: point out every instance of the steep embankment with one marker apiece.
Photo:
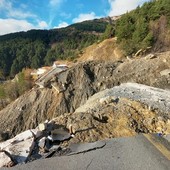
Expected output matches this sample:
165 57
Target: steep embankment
120 111
105 50
80 82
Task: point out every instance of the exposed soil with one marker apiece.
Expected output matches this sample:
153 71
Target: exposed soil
103 51
81 82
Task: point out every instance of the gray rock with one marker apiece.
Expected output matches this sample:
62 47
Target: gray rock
147 95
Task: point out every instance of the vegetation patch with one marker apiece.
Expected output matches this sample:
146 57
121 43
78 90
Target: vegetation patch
144 27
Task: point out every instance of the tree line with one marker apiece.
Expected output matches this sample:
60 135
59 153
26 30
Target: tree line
147 26
35 48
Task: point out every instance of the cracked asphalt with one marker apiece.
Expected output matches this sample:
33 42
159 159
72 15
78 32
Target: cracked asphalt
138 153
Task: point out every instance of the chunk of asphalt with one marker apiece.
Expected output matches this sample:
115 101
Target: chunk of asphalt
59 135
48 155
85 147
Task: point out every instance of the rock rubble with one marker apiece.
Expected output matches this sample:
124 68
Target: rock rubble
115 112
76 85
33 144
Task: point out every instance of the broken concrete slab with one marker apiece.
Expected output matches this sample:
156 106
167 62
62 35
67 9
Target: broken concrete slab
20 147
23 136
36 133
20 137
44 79
5 160
41 142
21 150
32 143
55 147
85 147
47 145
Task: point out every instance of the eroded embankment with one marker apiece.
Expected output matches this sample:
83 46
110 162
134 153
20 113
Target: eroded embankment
121 111
81 82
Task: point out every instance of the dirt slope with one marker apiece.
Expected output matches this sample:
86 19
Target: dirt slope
105 50
80 82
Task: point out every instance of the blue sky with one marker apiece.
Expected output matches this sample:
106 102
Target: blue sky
23 15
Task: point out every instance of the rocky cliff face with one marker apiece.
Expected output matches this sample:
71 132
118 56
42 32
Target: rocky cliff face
79 83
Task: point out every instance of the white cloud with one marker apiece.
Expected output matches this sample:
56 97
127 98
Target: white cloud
20 14
16 18
42 24
55 2
84 17
5 4
62 25
6 7
118 7
13 25
65 15
54 6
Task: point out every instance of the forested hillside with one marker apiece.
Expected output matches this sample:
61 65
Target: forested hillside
147 26
36 48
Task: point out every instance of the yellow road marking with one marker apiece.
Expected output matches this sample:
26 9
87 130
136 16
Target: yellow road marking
159 146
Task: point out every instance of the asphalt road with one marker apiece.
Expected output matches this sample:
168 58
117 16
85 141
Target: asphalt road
143 152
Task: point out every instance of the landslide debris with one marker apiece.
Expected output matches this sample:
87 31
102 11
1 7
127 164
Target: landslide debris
120 111
78 83
124 110
103 51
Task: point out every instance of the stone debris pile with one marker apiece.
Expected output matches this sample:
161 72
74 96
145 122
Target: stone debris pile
38 143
